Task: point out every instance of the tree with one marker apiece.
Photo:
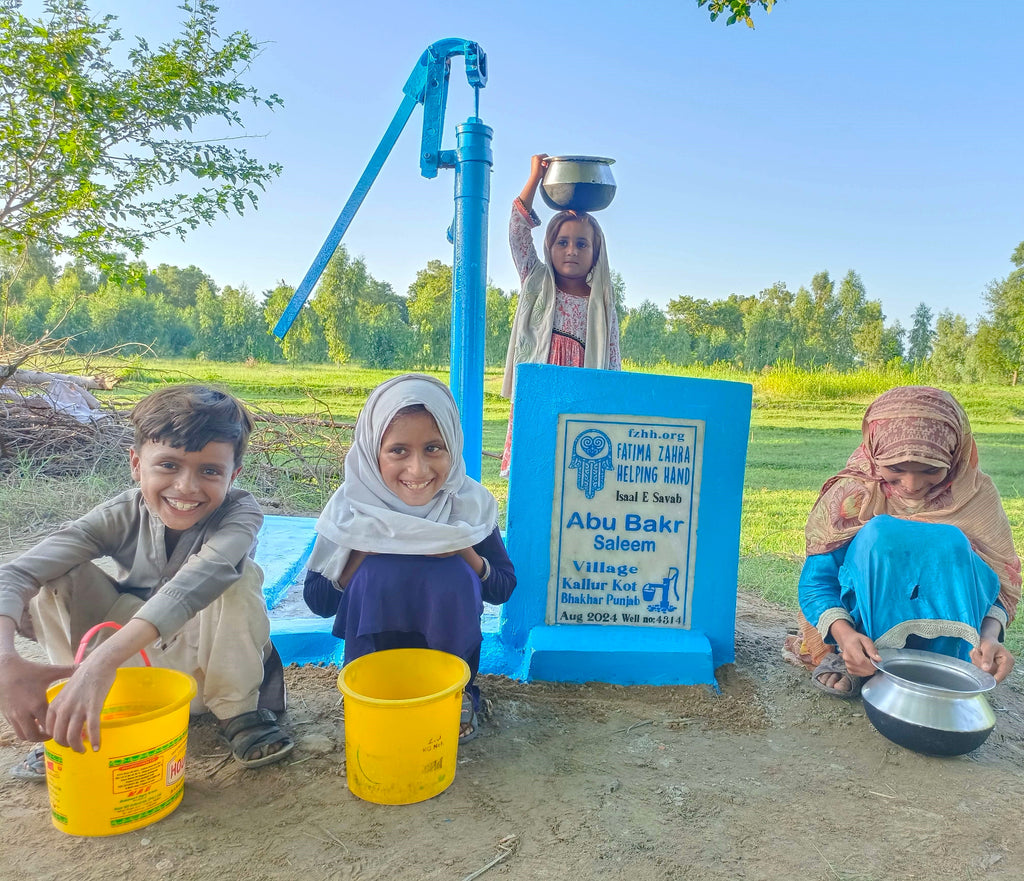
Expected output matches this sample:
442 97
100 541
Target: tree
921 335
346 290
869 337
951 359
305 342
643 332
892 343
122 315
768 328
96 157
498 327
619 293
242 332
26 319
430 312
385 339
209 319
852 298
178 286
1001 332
823 320
739 10
715 329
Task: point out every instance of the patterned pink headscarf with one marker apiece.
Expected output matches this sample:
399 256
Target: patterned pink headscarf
919 424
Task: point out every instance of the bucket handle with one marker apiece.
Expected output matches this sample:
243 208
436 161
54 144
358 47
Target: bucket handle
92 631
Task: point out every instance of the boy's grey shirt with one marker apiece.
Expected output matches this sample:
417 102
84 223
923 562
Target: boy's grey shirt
207 559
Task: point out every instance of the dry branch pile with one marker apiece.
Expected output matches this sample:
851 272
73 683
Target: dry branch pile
51 421
307 452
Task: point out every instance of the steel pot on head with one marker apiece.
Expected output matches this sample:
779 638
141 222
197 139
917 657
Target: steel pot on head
578 183
929 703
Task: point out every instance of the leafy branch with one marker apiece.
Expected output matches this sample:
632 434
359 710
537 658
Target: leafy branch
92 149
738 9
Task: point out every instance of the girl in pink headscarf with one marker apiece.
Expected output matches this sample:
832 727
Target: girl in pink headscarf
908 546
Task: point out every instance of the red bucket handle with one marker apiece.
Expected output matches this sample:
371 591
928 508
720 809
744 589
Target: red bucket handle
92 631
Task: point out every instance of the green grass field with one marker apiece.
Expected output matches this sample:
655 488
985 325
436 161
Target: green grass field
804 426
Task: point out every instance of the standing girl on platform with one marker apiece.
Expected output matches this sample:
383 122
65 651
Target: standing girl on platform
408 547
907 546
566 311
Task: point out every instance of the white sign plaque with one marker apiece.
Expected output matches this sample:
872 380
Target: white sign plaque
624 520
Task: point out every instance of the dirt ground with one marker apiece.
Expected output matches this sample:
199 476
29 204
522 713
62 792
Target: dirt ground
768 780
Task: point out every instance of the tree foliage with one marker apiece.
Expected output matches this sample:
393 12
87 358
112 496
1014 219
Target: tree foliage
430 312
1001 333
739 10
100 159
643 333
354 317
921 335
951 349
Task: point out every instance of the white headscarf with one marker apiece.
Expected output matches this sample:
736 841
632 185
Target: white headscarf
364 515
530 341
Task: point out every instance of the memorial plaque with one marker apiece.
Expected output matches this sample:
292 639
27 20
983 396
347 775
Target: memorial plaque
624 520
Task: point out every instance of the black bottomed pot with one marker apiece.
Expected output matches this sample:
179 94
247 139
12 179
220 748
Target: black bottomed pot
578 183
929 703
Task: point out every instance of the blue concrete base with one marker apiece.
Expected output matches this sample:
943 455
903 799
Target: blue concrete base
306 641
620 655
310 641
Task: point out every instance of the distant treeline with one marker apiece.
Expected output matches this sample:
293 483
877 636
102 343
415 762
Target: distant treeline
354 318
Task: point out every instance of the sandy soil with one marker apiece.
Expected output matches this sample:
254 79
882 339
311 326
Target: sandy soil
768 780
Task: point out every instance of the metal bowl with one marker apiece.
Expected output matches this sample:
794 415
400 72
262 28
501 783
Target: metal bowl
929 703
578 183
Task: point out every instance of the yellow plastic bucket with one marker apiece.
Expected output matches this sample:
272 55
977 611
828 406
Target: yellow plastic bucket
138 774
402 710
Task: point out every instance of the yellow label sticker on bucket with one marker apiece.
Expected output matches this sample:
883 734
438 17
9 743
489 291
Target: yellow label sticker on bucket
137 778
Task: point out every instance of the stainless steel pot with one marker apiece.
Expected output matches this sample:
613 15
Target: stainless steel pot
929 703
578 183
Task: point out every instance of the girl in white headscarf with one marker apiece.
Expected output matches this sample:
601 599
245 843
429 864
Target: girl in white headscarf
408 547
566 310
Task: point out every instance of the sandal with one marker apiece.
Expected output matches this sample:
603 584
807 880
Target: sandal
469 717
834 664
795 651
33 767
250 731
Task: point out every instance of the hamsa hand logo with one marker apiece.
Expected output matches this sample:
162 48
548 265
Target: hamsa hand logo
591 457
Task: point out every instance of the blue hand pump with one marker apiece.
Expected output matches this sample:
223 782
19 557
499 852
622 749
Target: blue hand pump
471 159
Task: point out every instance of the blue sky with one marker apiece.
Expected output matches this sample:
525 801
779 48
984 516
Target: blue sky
884 137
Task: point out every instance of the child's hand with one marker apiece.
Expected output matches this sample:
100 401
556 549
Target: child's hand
538 165
78 708
476 562
23 694
993 657
80 702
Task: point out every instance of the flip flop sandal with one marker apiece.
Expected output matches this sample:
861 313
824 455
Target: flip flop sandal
33 767
834 663
468 717
250 730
